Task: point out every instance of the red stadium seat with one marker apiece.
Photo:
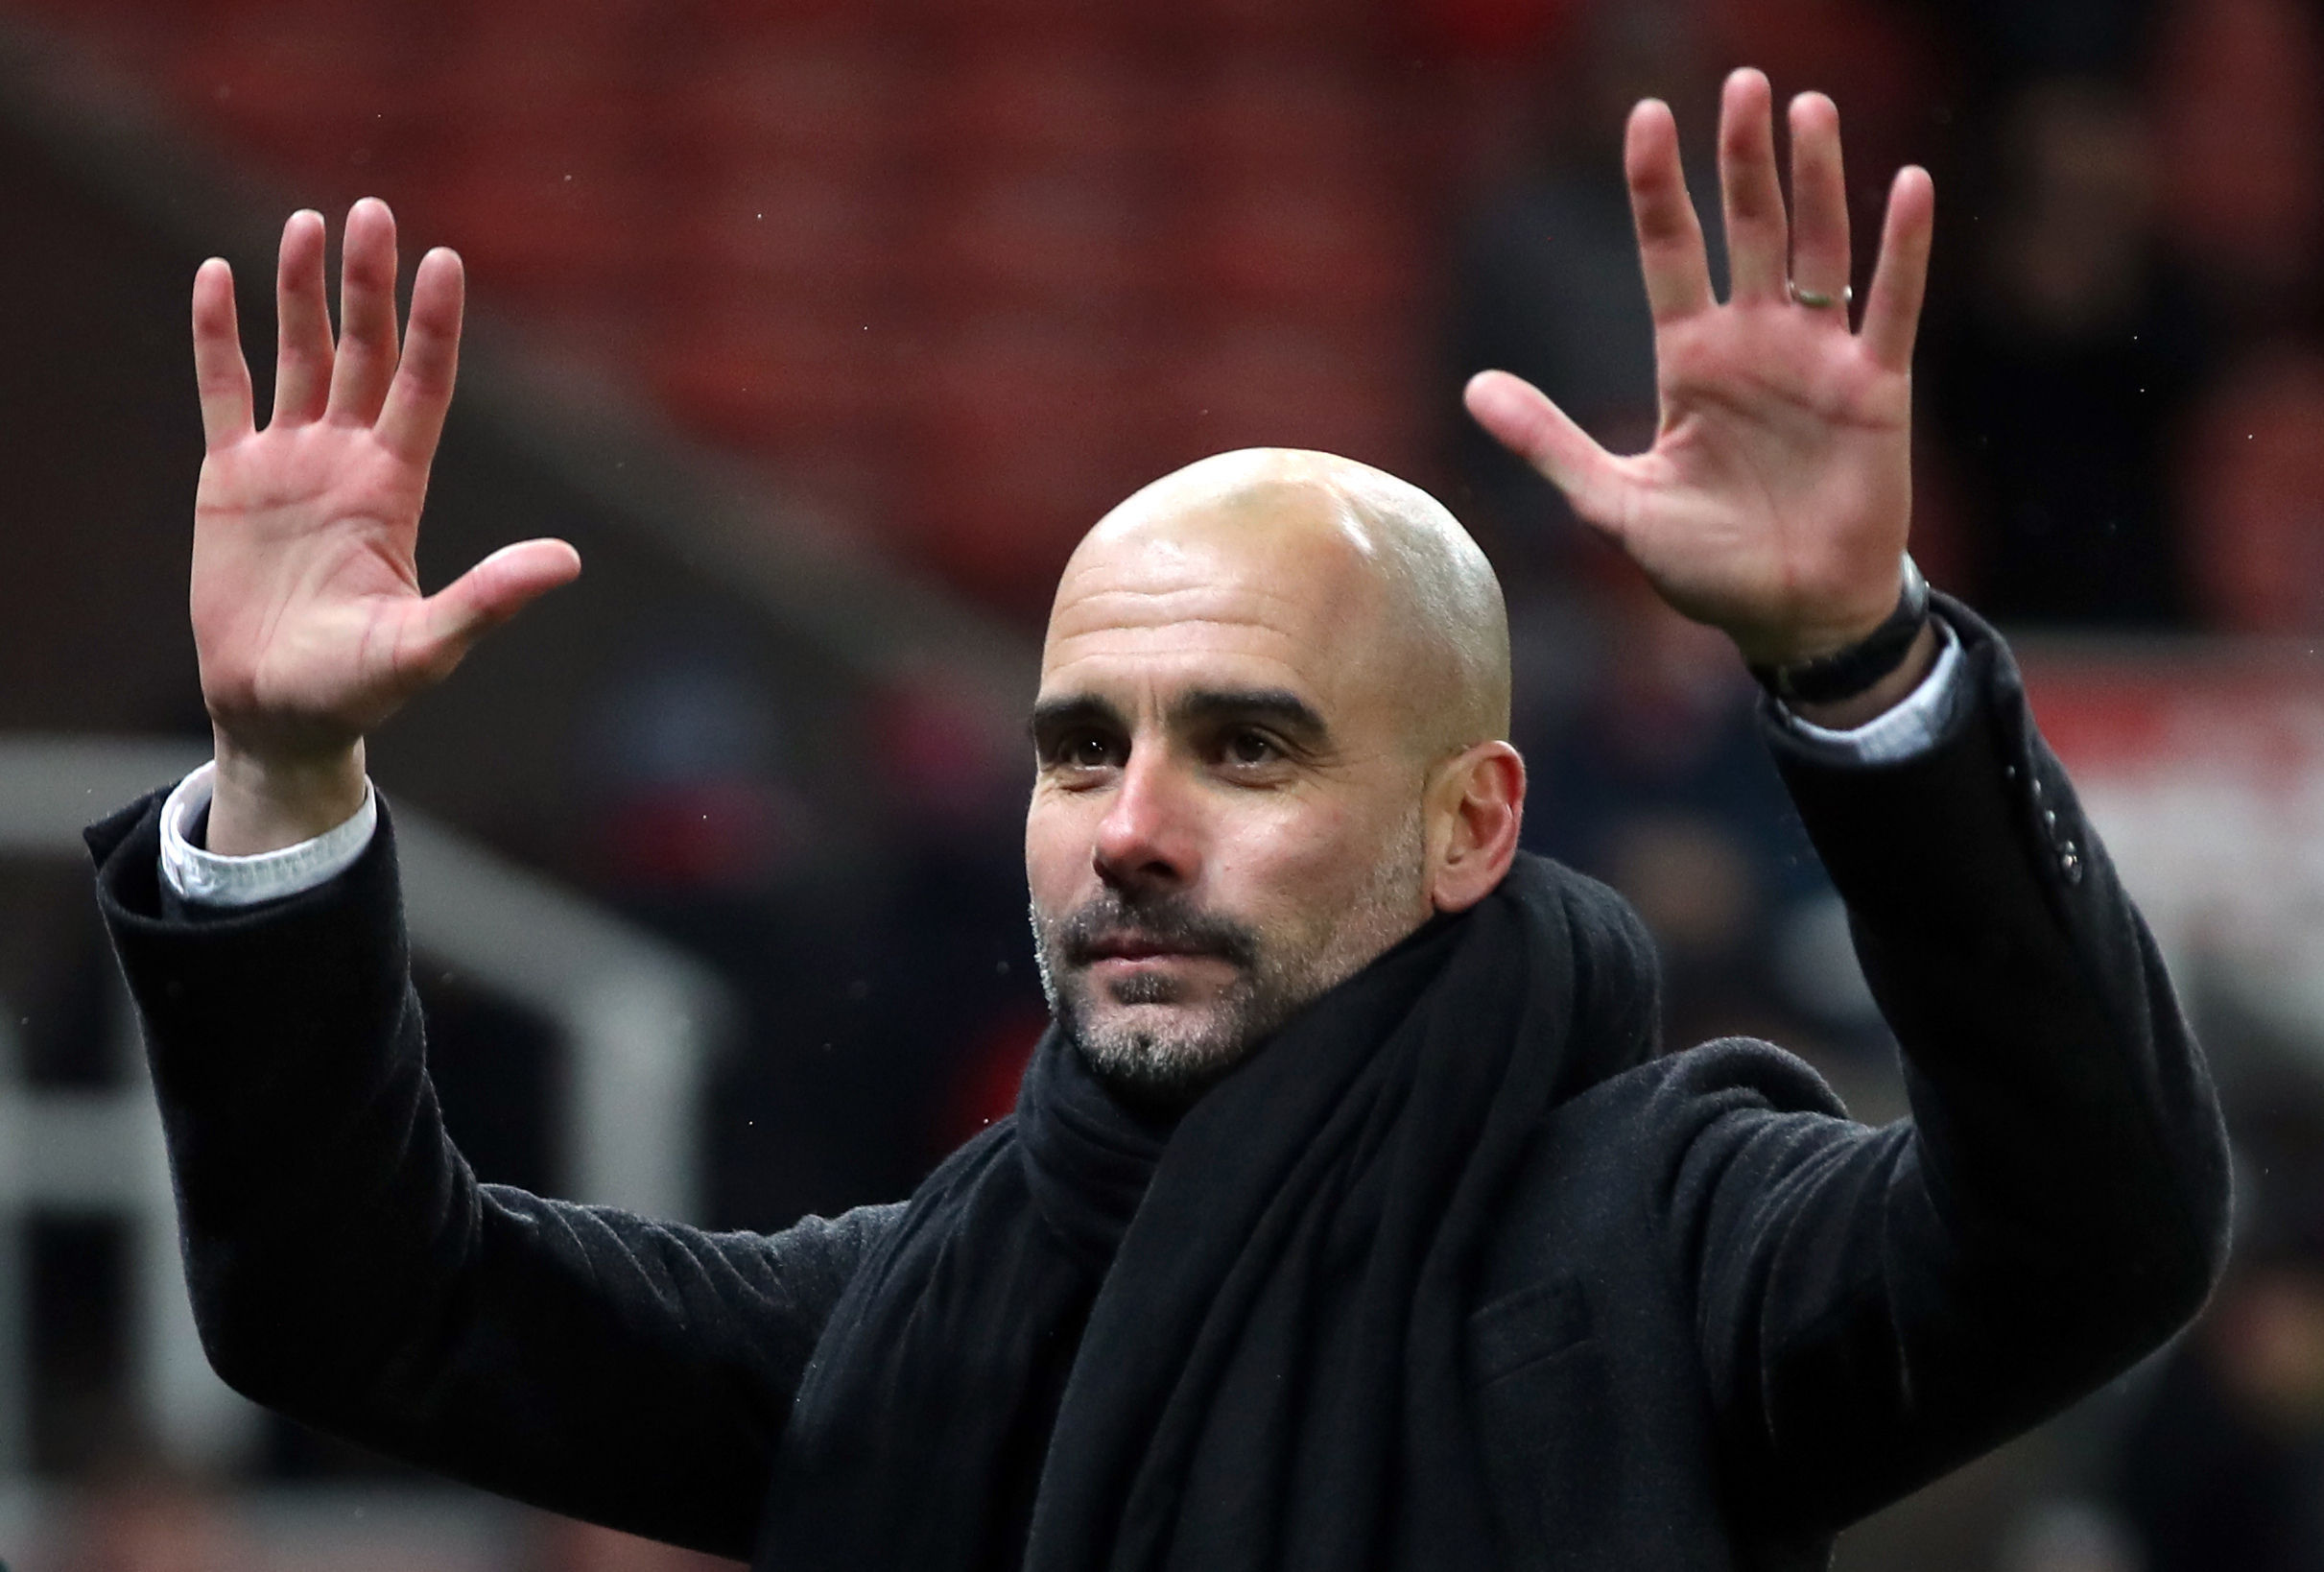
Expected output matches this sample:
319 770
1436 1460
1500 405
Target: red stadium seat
2252 491
311 92
834 106
549 231
1301 251
745 22
1251 386
1023 438
1037 239
1288 120
1343 27
1048 20
2242 118
1518 31
1043 106
771 373
788 228
559 68
924 254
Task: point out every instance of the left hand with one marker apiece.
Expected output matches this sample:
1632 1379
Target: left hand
1775 500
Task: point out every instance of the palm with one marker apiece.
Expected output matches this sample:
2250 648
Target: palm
1777 462
307 612
303 587
1775 500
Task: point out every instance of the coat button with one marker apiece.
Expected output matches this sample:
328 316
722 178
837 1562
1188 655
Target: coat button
2070 863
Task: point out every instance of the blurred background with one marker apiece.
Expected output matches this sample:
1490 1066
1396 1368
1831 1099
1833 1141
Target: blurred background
824 328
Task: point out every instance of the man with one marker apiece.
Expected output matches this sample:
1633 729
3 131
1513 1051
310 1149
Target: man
1348 1217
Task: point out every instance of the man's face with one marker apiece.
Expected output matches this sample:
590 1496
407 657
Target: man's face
1227 818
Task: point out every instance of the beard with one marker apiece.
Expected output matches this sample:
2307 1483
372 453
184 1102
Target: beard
1277 972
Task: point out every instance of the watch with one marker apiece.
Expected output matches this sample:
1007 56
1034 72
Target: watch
1843 674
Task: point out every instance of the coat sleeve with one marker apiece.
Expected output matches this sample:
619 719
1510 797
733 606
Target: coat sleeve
1878 1306
347 1269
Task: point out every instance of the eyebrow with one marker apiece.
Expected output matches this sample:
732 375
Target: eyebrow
1279 707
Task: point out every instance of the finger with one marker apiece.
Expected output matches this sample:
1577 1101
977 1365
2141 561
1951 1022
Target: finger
1670 236
1523 419
413 418
1892 310
1757 235
1819 201
221 376
302 322
367 314
488 594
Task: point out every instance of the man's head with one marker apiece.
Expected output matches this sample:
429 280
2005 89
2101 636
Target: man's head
1268 743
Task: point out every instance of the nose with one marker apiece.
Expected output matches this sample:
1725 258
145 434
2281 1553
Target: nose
1149 840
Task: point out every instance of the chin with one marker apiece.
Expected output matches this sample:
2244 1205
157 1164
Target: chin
1166 1050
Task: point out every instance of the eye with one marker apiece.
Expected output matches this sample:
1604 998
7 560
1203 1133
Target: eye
1252 748
1087 751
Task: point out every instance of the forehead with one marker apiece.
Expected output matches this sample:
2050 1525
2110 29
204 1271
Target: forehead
1210 598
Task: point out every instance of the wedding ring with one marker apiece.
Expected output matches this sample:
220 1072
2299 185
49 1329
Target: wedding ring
1816 299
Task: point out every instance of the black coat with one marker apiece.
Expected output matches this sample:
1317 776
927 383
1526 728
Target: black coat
1717 1322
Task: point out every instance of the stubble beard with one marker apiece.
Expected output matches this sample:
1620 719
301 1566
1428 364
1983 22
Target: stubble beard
1276 975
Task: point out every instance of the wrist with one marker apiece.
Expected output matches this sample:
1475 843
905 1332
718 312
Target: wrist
1860 710
1839 673
264 804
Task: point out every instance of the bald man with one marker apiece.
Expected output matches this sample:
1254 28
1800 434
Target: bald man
1337 640
1350 1215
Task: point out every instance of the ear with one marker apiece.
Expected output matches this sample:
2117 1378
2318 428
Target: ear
1475 804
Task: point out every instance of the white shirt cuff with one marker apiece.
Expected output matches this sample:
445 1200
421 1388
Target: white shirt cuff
1909 728
210 880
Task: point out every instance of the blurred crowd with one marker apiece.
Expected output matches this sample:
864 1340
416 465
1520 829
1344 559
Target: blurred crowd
2122 430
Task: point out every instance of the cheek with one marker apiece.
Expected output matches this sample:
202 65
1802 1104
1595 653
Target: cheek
1058 837
1298 860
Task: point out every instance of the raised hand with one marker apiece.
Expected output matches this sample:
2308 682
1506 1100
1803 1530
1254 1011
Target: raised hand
1775 500
307 610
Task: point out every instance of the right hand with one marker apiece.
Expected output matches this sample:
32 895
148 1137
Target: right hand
307 612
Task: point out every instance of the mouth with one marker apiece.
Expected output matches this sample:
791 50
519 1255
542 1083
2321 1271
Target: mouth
1127 970
1133 949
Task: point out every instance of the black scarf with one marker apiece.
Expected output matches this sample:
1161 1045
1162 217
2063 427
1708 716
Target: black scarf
1094 1342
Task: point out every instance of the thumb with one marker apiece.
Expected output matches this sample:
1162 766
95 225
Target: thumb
1523 419
491 593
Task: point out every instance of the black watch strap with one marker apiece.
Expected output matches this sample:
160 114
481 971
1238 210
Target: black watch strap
1843 674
